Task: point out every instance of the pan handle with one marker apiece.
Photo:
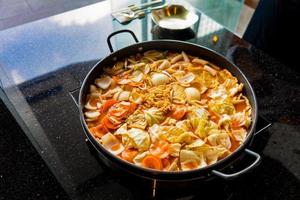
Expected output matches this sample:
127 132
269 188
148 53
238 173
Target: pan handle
237 174
117 32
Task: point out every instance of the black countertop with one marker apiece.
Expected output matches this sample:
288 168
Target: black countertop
23 174
41 62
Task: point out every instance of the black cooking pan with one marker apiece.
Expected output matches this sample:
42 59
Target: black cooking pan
192 49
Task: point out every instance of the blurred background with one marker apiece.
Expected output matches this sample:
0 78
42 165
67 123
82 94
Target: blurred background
233 14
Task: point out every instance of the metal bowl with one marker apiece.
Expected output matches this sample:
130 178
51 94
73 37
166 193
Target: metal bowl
174 17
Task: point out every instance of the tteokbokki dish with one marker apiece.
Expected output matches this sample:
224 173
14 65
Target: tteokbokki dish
168 111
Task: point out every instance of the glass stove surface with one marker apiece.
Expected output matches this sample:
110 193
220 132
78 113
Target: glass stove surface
41 62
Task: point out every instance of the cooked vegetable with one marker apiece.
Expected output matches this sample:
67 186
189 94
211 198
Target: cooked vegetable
199 61
188 78
185 57
159 79
177 135
160 149
168 111
111 122
137 120
195 144
111 143
93 104
92 114
222 107
189 160
179 95
152 162
174 149
178 111
124 96
221 138
140 157
176 58
99 131
104 82
137 76
239 134
154 116
192 93
173 166
138 139
107 104
164 65
210 70
129 154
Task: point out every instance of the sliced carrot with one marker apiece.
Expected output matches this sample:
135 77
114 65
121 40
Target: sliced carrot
234 144
115 147
129 154
235 124
113 82
93 131
107 104
152 162
240 107
114 120
93 123
118 112
160 149
165 163
122 111
178 111
99 131
109 124
101 128
132 108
